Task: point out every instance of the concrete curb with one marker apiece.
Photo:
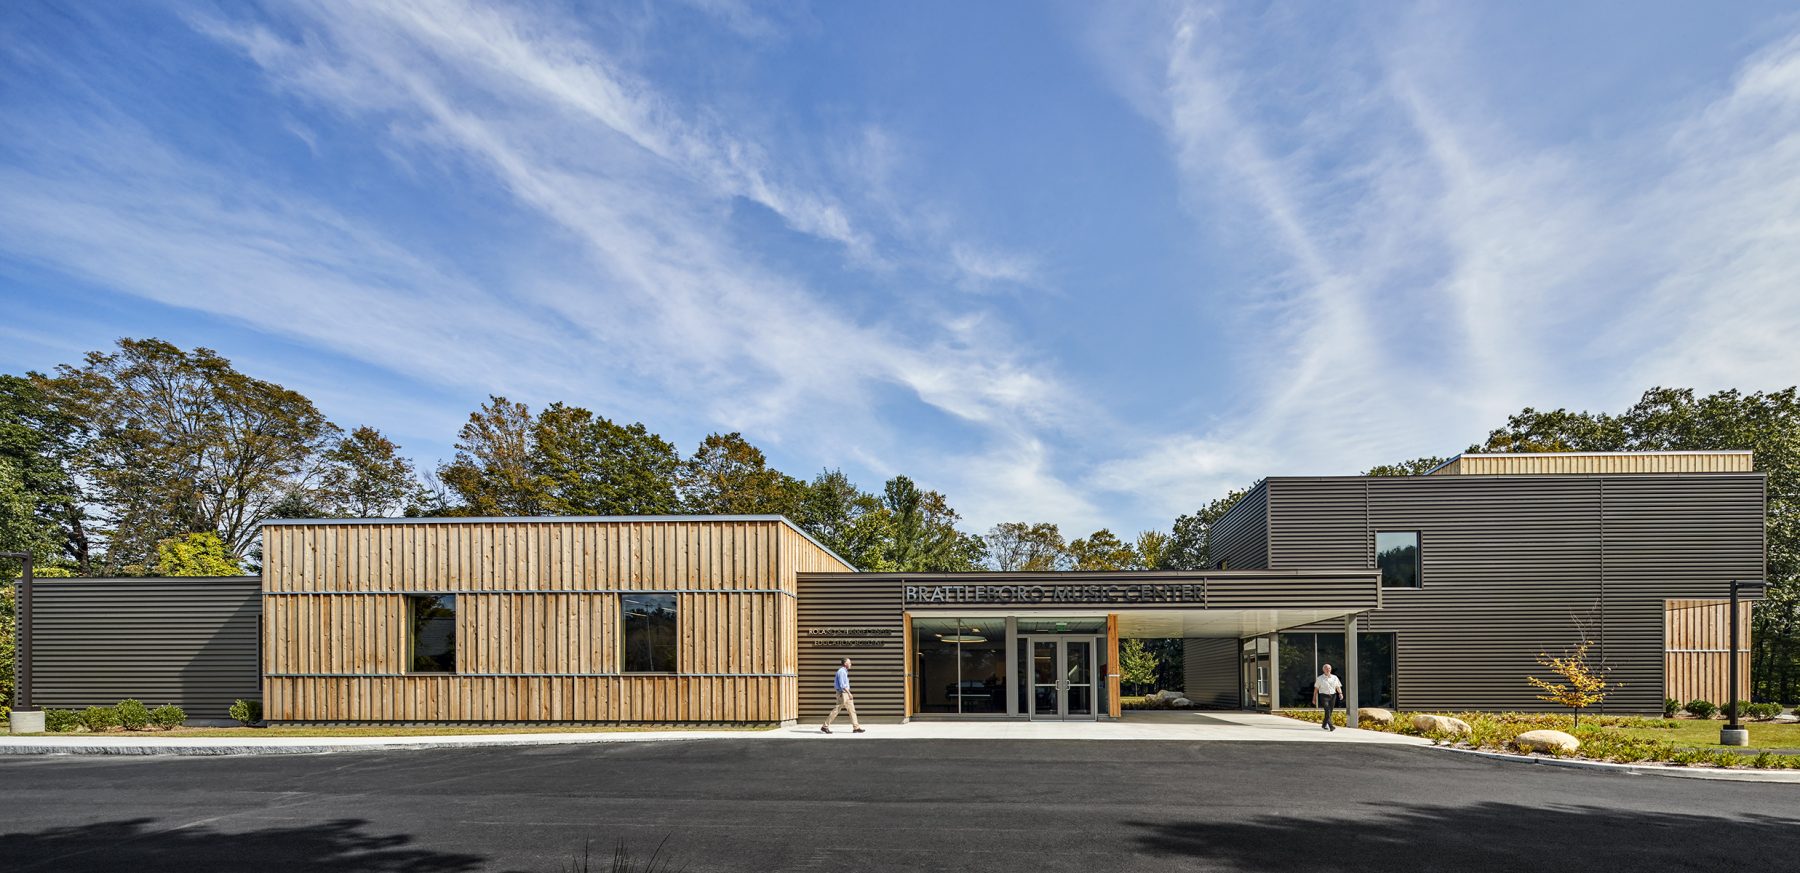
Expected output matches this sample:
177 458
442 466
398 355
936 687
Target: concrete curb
1779 776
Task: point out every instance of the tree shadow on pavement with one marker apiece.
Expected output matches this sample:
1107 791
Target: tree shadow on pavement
144 844
1480 836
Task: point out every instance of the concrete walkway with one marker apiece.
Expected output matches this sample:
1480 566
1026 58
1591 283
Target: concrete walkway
1171 726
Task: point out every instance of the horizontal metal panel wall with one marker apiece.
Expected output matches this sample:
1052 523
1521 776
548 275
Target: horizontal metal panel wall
187 641
1240 540
860 601
1671 538
1517 565
1210 668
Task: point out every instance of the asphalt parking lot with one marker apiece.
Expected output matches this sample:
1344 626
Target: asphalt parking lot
888 805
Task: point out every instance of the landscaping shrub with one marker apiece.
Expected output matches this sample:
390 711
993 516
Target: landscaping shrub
1743 710
167 716
133 714
1671 706
61 721
1699 708
100 718
1762 711
246 712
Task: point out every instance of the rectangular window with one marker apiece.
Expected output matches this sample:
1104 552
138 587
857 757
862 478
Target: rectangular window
650 633
433 640
1397 554
1302 657
959 665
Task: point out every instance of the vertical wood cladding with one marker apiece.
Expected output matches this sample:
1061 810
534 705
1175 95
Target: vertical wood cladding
187 641
1697 636
538 614
1577 463
1515 565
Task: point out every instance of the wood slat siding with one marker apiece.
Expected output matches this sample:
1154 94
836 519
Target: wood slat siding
538 612
1110 665
1210 669
1577 463
1520 564
187 641
1697 640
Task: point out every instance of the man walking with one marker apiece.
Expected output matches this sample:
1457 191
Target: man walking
844 699
1327 687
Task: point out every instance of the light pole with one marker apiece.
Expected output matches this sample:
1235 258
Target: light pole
1734 734
24 718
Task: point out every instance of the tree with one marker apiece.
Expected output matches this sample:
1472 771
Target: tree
922 535
1414 467
1190 545
729 476
1581 687
42 442
195 554
587 464
1768 424
1153 549
1137 666
849 521
181 441
1017 545
1103 550
492 473
365 476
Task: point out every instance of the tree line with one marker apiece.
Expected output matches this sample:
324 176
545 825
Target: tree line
150 459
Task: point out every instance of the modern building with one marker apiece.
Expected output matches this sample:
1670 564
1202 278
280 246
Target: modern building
1427 592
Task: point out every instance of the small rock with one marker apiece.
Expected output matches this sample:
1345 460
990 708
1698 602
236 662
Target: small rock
1181 703
1442 724
1546 741
1375 714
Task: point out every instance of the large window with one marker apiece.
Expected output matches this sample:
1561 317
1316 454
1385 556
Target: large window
650 633
959 665
1302 656
1397 554
433 640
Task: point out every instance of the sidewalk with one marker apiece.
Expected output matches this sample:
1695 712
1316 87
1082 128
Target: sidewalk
1164 726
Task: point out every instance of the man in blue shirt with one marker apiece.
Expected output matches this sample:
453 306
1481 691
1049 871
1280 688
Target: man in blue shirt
844 699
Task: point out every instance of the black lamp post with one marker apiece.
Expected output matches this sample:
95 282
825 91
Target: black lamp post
22 673
1733 733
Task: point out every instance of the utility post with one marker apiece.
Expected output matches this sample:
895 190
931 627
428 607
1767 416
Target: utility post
25 718
1733 733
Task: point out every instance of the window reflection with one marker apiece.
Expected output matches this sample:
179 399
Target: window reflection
959 665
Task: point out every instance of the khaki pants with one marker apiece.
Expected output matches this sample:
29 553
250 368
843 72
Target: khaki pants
844 702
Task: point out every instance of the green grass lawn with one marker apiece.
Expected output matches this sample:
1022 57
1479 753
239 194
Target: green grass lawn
1699 734
391 731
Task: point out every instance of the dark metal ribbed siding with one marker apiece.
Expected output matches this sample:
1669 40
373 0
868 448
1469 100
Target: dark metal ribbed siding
843 600
187 641
1211 671
1515 565
1240 540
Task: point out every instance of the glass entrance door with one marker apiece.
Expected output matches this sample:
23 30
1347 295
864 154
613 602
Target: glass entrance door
1062 677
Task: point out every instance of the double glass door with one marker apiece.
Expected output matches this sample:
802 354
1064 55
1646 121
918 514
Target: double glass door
1062 677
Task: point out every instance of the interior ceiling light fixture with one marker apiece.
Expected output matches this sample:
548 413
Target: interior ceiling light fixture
960 638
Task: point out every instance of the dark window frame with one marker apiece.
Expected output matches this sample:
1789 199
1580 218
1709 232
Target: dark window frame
674 600
1418 559
437 599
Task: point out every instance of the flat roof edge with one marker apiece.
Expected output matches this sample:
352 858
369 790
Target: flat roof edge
564 519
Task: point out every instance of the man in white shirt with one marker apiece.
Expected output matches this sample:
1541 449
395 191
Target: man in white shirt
1326 688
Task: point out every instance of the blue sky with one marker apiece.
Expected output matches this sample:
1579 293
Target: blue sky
1085 263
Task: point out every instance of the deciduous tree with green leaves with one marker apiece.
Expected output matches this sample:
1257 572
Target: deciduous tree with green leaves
1103 550
1137 666
195 554
728 476
365 476
1190 543
492 473
587 464
1017 545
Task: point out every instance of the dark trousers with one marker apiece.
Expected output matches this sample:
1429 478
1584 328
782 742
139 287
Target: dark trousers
1329 701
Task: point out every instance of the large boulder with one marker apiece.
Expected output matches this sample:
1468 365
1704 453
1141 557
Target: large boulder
1375 715
1546 741
1441 724
1181 703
